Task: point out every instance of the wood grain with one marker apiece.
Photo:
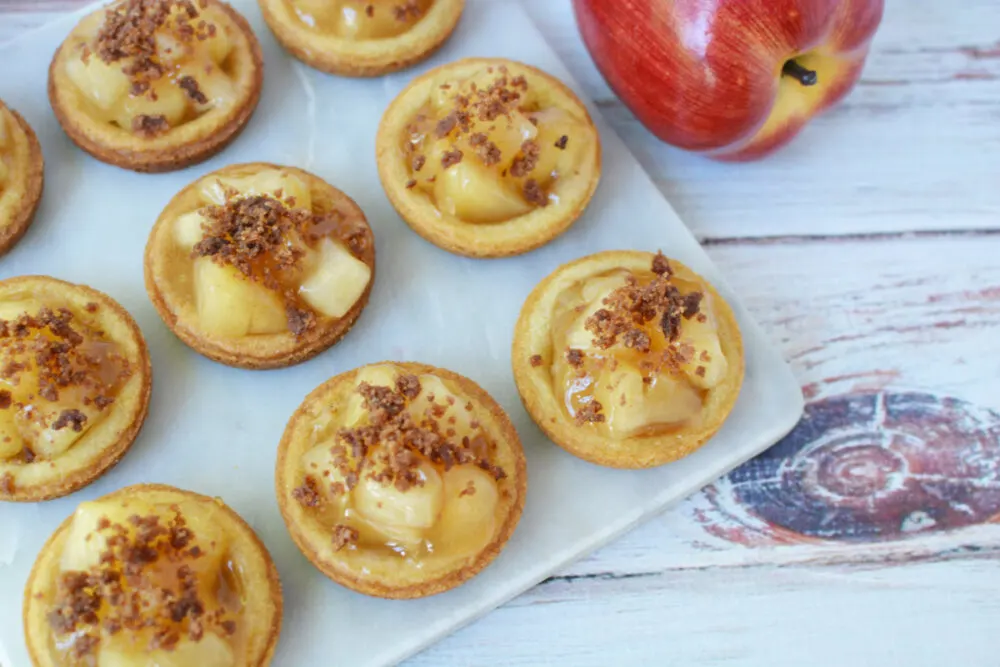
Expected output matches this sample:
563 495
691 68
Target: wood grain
867 250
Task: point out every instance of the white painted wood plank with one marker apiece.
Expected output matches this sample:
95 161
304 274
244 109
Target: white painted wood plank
926 615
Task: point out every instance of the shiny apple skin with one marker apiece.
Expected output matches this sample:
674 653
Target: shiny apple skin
704 75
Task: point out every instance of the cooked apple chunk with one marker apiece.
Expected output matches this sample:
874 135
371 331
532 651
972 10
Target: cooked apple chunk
337 281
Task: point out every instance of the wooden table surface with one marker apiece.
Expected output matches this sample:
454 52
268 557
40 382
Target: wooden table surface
870 251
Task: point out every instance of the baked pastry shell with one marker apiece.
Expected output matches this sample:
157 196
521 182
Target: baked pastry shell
20 196
193 142
362 58
532 335
258 351
500 239
385 577
104 444
263 602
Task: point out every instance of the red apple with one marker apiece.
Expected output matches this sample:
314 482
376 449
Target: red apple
734 79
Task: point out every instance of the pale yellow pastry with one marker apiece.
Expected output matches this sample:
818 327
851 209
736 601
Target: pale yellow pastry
400 480
156 85
488 157
153 576
361 37
75 381
260 266
627 359
21 176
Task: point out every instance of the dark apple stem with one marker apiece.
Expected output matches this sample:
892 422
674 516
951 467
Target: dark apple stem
806 77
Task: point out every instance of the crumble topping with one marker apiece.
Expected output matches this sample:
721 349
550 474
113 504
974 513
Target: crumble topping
409 10
143 580
150 126
535 360
630 307
344 536
404 440
590 412
561 142
129 33
50 345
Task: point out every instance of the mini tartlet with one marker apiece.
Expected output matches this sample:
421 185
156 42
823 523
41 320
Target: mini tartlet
75 381
361 37
627 359
400 480
488 157
22 171
156 85
260 266
153 575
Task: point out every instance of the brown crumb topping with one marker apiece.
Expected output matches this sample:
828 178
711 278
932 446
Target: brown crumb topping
344 536
561 142
535 360
526 161
451 158
49 348
590 412
308 494
72 418
574 357
533 193
405 440
407 11
150 126
190 86
630 307
129 34
143 581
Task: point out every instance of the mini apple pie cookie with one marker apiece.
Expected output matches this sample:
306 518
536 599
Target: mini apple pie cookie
156 85
75 381
361 37
21 176
260 266
488 158
400 480
153 575
627 359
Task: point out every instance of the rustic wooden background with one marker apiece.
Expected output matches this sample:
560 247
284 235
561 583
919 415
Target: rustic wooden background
870 251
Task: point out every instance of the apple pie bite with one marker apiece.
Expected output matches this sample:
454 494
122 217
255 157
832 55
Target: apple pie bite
260 266
153 575
75 380
361 37
21 176
400 480
627 359
156 85
488 157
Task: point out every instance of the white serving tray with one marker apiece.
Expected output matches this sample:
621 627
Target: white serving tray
215 430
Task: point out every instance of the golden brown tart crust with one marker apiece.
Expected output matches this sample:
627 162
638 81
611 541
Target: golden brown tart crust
368 57
262 588
190 143
475 239
386 577
104 444
259 351
21 194
532 356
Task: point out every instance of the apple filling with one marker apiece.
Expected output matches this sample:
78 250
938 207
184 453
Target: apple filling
639 351
406 470
59 377
145 584
487 148
265 260
153 65
360 19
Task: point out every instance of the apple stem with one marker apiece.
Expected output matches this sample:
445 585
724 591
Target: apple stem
806 77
